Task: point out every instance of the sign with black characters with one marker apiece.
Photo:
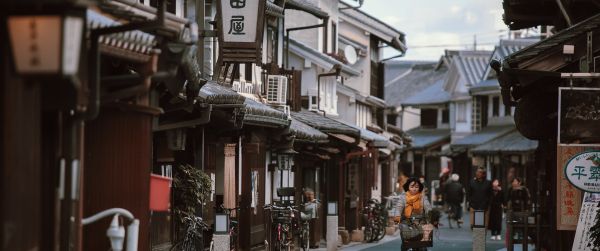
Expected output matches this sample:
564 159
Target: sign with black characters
241 30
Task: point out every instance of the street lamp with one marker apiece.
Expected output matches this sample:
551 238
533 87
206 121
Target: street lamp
332 209
221 223
48 43
479 219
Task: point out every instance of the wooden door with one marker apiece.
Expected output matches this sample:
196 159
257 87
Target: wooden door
252 229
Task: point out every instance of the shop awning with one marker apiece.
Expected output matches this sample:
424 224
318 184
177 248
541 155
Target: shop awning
423 138
325 124
305 133
486 134
513 142
260 114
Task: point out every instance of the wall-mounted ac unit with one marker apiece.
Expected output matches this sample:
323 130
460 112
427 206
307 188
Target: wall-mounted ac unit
236 86
277 89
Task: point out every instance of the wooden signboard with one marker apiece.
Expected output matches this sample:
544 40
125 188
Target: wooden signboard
587 217
568 198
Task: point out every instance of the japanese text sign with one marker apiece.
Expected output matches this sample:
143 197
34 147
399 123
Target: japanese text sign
583 171
568 198
239 20
241 27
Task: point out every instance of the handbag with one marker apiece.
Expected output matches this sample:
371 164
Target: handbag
410 231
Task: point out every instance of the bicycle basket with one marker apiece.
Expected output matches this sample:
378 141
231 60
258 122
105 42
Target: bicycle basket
281 215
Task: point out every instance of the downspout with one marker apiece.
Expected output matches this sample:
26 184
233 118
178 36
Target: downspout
287 38
93 108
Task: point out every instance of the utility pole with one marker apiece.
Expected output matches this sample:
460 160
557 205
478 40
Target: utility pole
475 42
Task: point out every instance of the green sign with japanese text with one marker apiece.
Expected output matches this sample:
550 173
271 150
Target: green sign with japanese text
583 171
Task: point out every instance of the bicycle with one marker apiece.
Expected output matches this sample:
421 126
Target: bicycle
282 218
375 217
304 233
233 226
192 234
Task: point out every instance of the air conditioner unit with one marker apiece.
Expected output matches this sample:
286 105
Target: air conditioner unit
277 89
312 103
236 86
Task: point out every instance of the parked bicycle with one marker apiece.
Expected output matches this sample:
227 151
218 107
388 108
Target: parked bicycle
282 218
193 234
375 217
233 226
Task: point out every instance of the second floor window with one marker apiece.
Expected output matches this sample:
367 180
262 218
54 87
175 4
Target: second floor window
461 112
429 118
445 116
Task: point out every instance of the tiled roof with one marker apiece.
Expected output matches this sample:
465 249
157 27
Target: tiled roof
405 81
422 138
131 41
486 134
513 142
557 40
213 93
306 133
472 64
376 139
485 86
324 124
263 115
434 94
510 46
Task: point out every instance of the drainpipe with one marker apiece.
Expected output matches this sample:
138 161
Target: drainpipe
93 108
287 38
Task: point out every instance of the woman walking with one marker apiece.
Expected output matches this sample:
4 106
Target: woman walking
496 208
413 205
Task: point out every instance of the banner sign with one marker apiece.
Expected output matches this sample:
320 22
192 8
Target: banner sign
241 26
583 171
568 198
587 217
579 116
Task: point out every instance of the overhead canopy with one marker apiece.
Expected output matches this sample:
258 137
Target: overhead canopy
424 138
214 93
324 124
263 115
306 133
486 134
513 142
377 140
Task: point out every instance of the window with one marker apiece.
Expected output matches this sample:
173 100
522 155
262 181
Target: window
495 106
429 118
461 112
445 116
391 119
363 115
327 96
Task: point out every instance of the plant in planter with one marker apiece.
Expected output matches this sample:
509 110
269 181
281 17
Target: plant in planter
191 188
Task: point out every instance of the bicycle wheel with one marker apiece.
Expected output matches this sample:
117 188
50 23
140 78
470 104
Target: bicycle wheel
305 239
368 233
380 231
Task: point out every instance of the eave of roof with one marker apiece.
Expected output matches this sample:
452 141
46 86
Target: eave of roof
423 138
323 60
307 7
486 134
513 142
325 124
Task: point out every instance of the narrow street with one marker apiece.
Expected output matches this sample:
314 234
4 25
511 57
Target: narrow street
445 239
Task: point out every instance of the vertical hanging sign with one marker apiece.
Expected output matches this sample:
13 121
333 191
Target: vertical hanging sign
241 26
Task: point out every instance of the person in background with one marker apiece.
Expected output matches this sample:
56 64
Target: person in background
454 194
496 208
519 199
425 187
479 194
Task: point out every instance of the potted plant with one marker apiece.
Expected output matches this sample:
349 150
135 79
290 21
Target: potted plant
191 188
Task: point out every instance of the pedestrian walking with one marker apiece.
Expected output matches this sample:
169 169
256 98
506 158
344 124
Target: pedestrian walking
496 208
519 199
454 194
479 194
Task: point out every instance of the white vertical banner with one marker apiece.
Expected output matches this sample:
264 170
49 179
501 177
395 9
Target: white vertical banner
239 20
587 217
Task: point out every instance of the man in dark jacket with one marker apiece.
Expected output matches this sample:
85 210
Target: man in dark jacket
479 194
454 194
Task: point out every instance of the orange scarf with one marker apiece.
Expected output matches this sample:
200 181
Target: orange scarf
413 203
